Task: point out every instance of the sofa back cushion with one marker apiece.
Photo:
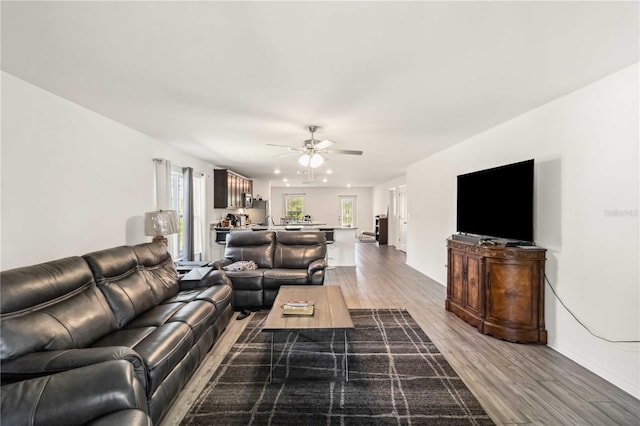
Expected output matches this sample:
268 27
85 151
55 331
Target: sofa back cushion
251 245
157 266
297 249
51 306
129 282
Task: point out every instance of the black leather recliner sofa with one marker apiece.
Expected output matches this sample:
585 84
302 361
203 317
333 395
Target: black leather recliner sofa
283 258
120 303
103 394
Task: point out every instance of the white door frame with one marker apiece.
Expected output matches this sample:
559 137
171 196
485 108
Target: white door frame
403 218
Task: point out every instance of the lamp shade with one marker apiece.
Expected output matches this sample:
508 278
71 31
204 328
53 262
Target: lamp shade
162 222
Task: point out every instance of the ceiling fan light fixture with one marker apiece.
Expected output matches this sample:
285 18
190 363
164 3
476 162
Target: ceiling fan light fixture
316 160
304 160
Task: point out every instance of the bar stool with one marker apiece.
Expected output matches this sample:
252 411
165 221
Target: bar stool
328 232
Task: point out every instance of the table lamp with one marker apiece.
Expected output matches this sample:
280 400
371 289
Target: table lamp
161 223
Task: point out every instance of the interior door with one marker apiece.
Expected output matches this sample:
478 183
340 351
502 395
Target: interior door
402 218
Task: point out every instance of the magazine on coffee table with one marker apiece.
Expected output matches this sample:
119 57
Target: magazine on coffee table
298 307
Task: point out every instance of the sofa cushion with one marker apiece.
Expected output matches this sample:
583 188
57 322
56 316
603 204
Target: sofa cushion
155 316
274 278
51 306
128 337
161 348
298 249
123 284
247 280
134 279
157 266
198 315
251 245
219 295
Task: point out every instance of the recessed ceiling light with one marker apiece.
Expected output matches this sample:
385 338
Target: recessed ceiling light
348 185
324 180
288 184
276 171
285 180
329 171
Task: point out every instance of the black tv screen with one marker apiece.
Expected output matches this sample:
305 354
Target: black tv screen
497 202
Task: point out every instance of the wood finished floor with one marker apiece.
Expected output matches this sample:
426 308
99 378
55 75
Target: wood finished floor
516 384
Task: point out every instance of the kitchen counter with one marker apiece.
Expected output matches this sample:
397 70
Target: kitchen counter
341 253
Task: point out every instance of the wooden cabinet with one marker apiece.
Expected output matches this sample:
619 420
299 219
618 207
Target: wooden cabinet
382 230
228 189
499 290
465 296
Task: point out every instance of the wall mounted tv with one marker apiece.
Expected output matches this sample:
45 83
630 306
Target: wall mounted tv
497 202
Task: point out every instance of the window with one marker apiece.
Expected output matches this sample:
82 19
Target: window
294 207
179 201
348 211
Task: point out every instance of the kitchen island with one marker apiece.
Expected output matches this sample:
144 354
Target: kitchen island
341 253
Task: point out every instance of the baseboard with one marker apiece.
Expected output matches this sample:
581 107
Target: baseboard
621 382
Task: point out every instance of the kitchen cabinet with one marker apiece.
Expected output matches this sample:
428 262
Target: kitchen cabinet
498 289
228 189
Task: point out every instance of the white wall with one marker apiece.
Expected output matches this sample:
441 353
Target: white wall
585 146
381 204
323 204
73 181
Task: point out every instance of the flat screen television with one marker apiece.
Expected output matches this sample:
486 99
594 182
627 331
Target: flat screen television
497 202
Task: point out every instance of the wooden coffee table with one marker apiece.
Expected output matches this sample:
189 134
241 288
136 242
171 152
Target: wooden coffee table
330 314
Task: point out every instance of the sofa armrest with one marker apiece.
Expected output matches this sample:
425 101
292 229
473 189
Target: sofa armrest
131 417
316 265
76 397
221 263
37 364
214 277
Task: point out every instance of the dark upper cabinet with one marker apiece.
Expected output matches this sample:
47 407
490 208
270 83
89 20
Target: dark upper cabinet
228 189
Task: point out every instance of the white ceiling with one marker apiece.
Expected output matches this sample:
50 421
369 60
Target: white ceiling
398 80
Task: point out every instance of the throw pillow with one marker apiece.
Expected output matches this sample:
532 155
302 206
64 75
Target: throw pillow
242 265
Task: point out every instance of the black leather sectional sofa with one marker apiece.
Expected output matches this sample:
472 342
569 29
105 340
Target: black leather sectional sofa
282 257
103 394
85 338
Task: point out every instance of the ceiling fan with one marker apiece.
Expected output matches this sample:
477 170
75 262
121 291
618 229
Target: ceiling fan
314 150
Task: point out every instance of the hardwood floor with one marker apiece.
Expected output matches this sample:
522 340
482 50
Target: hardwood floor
516 384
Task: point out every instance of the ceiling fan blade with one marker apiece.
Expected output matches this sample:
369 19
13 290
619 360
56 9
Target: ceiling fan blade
324 144
342 151
289 154
281 146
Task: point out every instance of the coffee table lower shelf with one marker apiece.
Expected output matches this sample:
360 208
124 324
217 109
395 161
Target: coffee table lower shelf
330 314
345 365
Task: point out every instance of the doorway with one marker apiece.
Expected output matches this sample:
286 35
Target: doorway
402 218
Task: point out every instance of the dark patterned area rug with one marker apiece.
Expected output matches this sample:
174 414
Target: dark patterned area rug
396 376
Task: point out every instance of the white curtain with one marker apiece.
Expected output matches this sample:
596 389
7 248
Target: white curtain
164 195
163 184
